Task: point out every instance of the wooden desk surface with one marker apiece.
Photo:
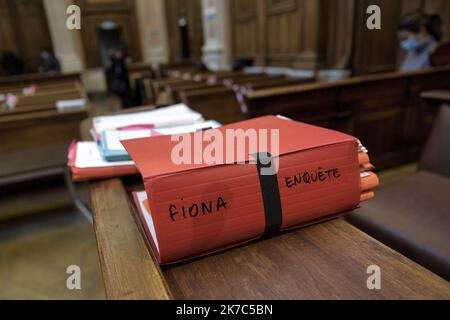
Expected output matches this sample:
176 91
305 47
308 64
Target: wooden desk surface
441 95
324 261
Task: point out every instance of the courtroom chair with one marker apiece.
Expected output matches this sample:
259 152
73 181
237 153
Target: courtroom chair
412 216
436 155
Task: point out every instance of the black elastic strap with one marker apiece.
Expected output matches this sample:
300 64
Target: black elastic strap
204 129
270 191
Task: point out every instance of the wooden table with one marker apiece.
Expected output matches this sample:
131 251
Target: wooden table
324 261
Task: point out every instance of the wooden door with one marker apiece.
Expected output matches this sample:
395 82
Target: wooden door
184 15
24 30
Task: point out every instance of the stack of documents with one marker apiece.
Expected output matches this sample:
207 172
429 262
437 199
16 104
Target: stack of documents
193 209
105 157
86 163
176 115
112 149
369 180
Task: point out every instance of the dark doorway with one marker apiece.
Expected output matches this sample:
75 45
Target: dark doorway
110 38
184 37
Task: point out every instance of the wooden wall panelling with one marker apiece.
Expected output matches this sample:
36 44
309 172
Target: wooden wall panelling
340 33
35 36
283 21
7 33
316 33
247 37
290 33
191 11
317 107
379 110
442 8
24 30
172 30
421 115
101 6
375 51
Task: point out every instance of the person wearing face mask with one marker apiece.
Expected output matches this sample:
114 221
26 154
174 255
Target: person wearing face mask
419 36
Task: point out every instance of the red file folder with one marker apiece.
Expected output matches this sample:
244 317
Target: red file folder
196 209
86 174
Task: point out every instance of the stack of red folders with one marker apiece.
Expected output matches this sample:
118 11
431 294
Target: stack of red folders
191 209
369 180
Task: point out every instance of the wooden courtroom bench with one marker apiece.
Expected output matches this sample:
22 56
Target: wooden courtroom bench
208 80
140 76
35 144
173 69
42 88
34 136
174 90
224 102
139 70
37 78
324 261
167 91
197 75
272 82
160 92
49 97
216 103
46 96
383 110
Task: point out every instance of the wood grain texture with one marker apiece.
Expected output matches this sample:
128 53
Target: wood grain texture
325 261
129 271
33 160
191 11
40 78
218 103
290 33
34 136
24 30
367 56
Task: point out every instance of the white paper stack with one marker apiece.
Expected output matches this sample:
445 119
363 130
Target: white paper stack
66 105
112 149
176 115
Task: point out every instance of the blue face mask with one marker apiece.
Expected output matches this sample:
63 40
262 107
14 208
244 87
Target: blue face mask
410 44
